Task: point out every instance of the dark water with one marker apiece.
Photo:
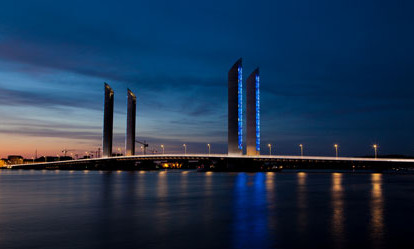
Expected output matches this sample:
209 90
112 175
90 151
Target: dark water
186 209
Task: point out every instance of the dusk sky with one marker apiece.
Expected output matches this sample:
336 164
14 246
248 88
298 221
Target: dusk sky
331 72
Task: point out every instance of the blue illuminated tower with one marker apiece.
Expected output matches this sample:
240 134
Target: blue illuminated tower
235 109
253 114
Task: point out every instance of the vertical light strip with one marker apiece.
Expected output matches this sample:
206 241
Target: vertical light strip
257 113
240 108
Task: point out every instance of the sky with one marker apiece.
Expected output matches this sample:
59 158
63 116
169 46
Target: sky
332 72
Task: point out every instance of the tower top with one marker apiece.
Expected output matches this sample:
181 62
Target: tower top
130 93
107 87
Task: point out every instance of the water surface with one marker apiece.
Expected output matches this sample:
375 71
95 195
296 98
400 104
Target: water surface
187 209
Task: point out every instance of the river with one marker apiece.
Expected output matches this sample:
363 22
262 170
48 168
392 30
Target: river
189 209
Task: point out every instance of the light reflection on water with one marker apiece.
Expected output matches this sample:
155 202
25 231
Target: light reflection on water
377 210
184 183
162 207
271 200
302 201
250 209
337 204
188 209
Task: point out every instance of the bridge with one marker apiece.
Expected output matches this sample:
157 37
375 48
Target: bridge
223 162
238 143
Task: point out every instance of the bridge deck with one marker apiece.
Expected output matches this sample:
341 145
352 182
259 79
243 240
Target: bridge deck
274 158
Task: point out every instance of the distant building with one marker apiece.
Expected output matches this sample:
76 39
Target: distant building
117 154
65 158
28 161
253 114
51 158
235 109
3 162
41 159
15 159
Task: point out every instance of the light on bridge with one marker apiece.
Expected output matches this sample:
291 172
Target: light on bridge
375 146
336 149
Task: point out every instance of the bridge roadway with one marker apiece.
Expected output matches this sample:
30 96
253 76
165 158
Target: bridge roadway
223 162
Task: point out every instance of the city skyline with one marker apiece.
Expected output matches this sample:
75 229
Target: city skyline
326 78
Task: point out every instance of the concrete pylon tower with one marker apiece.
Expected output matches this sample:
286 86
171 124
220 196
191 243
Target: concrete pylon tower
253 114
131 122
108 121
235 109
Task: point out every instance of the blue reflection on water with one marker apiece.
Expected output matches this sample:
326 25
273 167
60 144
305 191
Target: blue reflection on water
250 212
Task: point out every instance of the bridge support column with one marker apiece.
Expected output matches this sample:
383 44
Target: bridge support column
253 114
131 124
108 122
235 109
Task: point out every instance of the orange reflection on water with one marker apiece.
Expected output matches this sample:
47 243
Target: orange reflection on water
376 180
162 184
141 188
302 201
270 188
163 208
208 183
301 178
270 183
337 182
337 203
184 183
270 197
377 209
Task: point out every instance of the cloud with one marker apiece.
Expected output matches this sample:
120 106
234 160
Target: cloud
52 132
9 97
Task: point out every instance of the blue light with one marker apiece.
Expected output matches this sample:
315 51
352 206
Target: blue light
257 113
240 108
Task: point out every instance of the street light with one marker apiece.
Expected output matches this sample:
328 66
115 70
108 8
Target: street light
336 150
162 146
375 150
185 149
142 150
301 149
208 145
270 149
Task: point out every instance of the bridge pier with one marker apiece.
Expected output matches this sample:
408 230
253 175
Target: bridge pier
108 122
